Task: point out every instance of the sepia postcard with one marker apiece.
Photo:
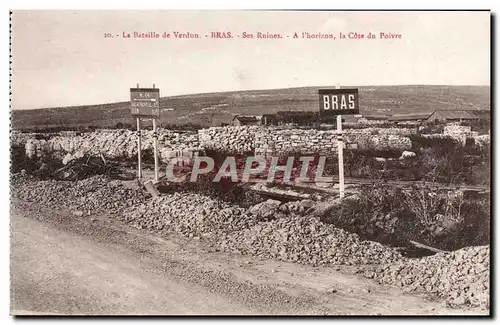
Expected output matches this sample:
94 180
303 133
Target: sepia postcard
250 162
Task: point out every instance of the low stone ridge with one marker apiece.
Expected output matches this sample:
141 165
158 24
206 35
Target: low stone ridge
288 232
461 277
112 144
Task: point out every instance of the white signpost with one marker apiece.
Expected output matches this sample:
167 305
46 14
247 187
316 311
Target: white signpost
338 102
145 103
155 148
340 149
139 147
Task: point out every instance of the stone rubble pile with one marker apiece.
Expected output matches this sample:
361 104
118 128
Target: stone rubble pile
112 144
481 141
460 277
19 139
459 139
386 131
256 231
461 134
230 139
190 214
380 139
270 140
90 195
269 229
456 129
306 240
291 237
294 140
407 154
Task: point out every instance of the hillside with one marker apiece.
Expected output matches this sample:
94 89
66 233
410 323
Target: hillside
215 108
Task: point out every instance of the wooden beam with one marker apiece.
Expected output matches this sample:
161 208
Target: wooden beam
432 249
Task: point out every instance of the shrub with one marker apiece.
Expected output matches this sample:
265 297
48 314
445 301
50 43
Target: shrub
372 213
445 160
19 160
443 219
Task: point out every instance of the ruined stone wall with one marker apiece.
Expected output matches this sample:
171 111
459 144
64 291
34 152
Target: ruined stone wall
113 144
231 139
267 140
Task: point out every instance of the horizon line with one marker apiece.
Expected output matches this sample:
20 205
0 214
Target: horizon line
238 91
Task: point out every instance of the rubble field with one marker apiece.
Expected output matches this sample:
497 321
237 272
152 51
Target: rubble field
285 231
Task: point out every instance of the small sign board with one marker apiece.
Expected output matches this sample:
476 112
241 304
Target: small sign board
338 102
145 102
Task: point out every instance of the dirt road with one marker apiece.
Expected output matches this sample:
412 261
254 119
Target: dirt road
63 273
63 264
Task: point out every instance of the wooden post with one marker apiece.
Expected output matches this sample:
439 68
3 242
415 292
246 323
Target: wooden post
155 148
340 149
155 145
139 147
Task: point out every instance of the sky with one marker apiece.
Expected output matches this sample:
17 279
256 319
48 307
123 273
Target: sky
61 58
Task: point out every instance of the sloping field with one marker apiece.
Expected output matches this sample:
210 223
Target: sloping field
215 108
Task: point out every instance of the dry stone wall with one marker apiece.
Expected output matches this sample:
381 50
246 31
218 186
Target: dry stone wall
269 140
231 139
113 144
122 144
272 141
19 139
461 134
